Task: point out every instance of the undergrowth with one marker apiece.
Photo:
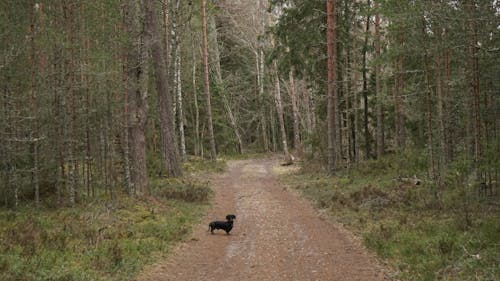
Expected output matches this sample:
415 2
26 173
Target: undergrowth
102 239
426 232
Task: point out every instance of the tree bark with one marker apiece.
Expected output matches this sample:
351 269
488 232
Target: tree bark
167 131
137 73
475 80
365 88
331 8
355 102
279 108
440 111
428 106
180 111
197 138
263 121
378 88
33 102
295 112
213 152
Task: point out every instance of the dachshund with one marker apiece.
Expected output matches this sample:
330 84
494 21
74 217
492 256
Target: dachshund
225 225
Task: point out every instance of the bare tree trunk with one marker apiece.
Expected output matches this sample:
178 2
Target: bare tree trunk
378 74
263 121
73 166
395 97
197 142
475 80
213 152
449 143
306 101
180 111
295 110
33 102
137 73
365 88
428 107
331 8
125 137
167 131
355 102
401 89
441 117
279 108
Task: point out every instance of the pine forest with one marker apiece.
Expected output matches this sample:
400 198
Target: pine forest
123 121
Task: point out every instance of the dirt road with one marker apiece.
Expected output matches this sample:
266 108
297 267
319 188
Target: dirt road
276 236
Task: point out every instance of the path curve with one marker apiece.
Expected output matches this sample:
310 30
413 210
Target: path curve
276 236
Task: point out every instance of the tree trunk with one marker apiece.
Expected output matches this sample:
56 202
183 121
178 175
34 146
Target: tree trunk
401 90
395 97
439 92
378 74
137 73
197 138
33 102
475 79
331 8
263 121
279 108
365 88
167 131
180 111
295 111
428 106
449 142
355 102
213 152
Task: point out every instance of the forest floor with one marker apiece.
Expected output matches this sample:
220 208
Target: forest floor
277 235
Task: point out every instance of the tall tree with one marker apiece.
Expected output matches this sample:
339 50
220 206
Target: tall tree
213 152
167 133
331 11
137 72
378 86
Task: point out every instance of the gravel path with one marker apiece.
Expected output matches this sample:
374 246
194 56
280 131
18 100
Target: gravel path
276 236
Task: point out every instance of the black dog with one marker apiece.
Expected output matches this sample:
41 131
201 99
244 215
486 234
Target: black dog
225 225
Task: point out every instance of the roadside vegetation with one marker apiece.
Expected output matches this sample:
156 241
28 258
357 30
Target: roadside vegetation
102 238
424 231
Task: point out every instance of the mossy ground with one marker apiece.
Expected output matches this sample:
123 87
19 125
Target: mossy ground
425 232
103 238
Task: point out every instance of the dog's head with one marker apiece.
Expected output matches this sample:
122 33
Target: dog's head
230 217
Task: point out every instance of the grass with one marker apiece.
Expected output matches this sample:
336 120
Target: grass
424 232
102 239
98 241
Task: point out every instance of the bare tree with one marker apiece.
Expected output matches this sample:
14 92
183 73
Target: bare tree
167 131
137 71
213 152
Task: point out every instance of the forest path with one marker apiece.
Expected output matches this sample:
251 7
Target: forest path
276 236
